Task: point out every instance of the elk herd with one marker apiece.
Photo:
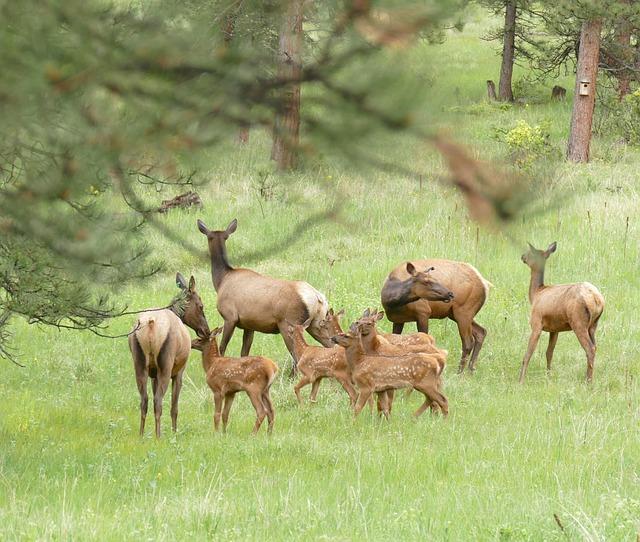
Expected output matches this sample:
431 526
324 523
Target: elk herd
363 360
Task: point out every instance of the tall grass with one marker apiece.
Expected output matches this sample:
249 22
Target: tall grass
507 459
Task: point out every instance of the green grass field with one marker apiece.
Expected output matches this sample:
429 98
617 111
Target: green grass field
508 458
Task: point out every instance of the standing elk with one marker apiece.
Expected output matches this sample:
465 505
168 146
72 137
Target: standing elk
227 376
160 346
573 307
254 302
318 362
410 296
380 374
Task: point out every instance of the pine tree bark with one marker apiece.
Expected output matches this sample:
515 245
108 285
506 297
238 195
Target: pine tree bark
624 54
286 129
583 106
505 91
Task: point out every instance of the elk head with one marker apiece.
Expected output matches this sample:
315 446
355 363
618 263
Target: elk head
368 322
217 238
330 324
193 310
535 258
425 287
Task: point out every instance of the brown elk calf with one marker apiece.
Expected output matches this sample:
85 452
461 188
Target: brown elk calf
160 346
573 307
227 376
408 296
318 362
255 302
378 374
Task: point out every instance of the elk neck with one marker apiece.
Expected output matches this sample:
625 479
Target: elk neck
209 353
299 344
219 262
398 292
537 282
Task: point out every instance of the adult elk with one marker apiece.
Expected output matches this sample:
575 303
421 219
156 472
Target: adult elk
254 302
227 376
411 296
573 307
160 346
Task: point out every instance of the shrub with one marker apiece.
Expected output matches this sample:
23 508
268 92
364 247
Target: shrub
527 144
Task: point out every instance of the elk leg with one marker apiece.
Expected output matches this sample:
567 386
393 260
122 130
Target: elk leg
589 349
479 334
256 401
304 381
466 335
268 405
142 375
176 386
362 399
592 331
227 332
217 401
553 339
397 328
228 401
247 339
160 388
383 404
533 342
432 396
422 325
348 387
288 342
315 386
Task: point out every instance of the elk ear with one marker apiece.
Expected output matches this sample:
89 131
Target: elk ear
379 316
411 269
353 328
306 323
233 226
181 283
531 246
330 312
340 313
216 332
203 229
192 284
429 269
551 249
366 313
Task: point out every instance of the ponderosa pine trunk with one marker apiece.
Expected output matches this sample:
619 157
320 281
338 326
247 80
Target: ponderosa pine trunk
583 106
624 54
505 91
286 128
228 32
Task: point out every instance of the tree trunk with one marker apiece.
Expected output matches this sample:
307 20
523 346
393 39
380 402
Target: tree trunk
491 90
287 121
624 54
505 92
583 105
228 32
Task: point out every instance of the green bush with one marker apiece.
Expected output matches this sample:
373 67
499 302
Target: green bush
526 143
621 118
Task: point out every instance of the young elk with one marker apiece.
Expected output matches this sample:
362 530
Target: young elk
160 345
410 296
379 374
561 307
255 302
227 376
318 362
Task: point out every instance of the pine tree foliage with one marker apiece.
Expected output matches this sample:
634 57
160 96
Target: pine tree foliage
98 99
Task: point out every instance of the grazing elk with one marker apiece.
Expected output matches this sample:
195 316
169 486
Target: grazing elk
573 307
254 302
227 376
379 374
160 345
410 296
318 362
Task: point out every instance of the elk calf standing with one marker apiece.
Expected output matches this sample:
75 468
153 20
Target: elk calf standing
318 362
383 373
227 376
561 307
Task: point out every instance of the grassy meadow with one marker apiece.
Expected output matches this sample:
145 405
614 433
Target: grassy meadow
507 459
